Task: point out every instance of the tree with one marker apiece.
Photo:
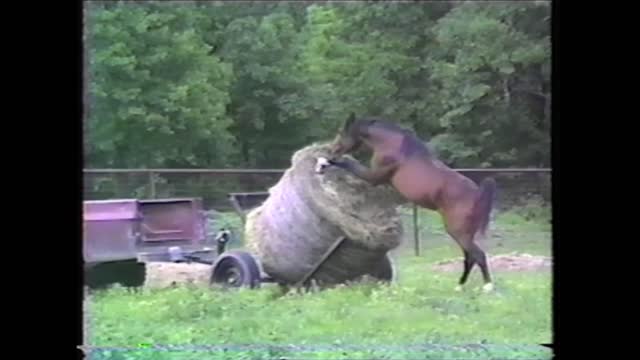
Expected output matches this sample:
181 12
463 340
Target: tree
223 84
261 50
490 72
158 96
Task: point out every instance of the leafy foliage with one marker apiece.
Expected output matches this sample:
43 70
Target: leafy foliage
223 84
159 96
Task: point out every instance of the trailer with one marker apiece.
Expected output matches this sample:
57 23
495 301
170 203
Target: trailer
144 230
120 235
175 230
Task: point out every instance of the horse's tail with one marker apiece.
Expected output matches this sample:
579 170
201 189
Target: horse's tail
484 205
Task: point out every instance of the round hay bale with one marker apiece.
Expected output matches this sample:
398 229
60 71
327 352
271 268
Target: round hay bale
307 212
166 274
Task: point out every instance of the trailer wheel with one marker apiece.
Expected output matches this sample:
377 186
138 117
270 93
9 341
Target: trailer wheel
236 269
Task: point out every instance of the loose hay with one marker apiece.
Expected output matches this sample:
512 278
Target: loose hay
503 262
166 274
306 213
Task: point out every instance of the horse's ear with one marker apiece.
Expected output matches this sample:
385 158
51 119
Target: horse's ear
350 120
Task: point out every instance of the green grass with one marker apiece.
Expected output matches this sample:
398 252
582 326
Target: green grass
363 321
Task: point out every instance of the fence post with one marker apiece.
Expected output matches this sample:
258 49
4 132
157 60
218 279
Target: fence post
416 235
152 185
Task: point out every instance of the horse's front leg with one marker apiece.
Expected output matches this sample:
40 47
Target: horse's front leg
375 176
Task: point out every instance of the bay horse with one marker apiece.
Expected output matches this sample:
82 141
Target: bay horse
402 160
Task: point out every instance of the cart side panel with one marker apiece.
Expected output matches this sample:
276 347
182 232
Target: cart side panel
110 240
173 220
111 229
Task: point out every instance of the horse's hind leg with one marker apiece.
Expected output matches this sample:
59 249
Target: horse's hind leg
480 257
468 265
457 230
461 230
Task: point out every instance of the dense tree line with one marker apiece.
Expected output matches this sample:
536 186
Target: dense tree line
244 85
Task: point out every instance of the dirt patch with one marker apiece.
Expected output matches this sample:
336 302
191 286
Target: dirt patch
165 274
503 262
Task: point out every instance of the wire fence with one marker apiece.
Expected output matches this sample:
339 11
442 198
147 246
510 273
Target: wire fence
515 186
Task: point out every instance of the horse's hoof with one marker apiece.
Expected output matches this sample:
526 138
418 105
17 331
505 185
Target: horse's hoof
488 287
458 288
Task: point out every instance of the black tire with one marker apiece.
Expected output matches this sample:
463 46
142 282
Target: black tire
128 273
236 269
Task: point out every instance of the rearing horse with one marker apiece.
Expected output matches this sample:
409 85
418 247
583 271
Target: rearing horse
402 160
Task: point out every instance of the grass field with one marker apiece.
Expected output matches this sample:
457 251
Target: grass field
418 317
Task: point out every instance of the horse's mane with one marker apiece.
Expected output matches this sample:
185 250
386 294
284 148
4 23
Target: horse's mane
411 142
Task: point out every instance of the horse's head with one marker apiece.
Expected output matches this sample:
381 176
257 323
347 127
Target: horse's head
348 138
